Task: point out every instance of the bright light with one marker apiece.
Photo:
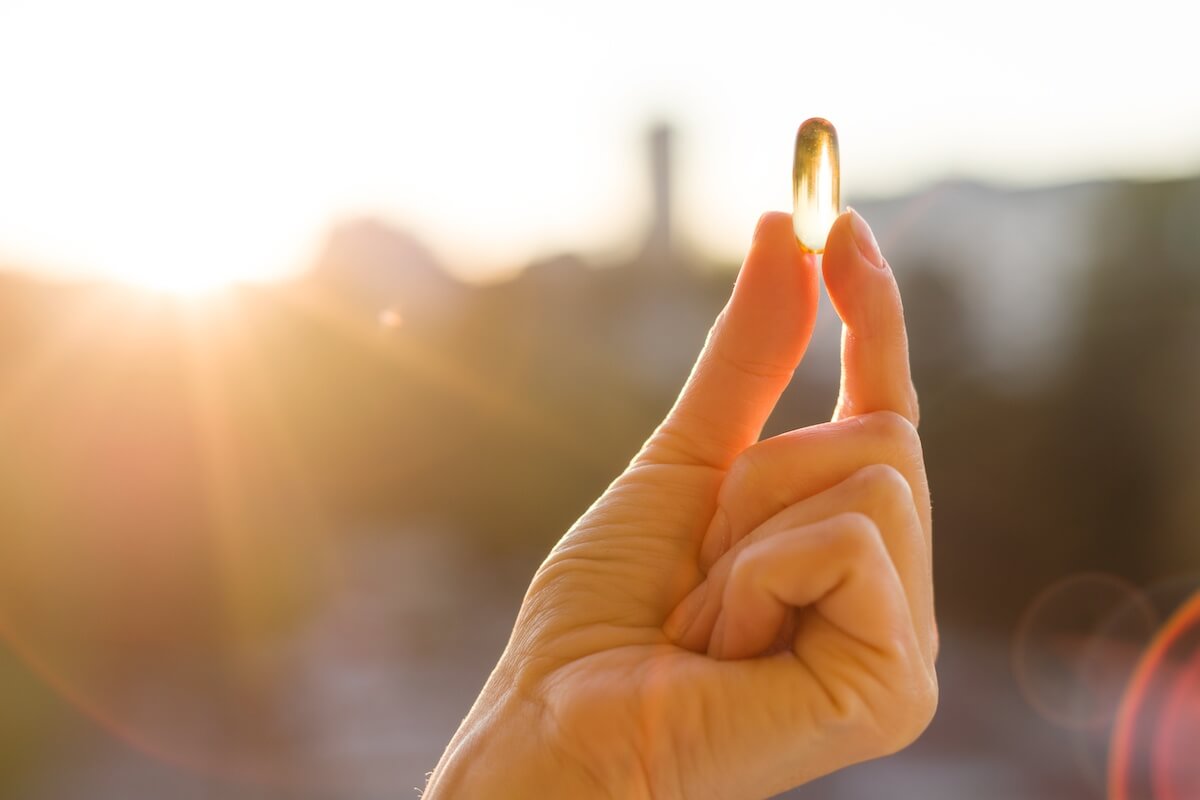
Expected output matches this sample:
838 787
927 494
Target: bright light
231 134
178 284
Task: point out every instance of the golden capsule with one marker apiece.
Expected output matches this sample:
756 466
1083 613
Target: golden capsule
816 183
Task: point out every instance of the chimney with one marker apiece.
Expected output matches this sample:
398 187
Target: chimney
658 249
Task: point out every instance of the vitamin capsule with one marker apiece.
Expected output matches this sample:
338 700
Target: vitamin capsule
816 183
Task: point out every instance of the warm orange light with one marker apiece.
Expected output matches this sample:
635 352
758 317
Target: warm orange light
185 284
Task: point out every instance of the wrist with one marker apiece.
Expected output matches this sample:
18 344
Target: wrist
505 748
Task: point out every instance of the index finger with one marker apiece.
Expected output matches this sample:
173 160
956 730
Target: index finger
749 357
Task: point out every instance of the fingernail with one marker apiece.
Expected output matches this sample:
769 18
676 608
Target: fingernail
716 645
760 226
865 239
716 539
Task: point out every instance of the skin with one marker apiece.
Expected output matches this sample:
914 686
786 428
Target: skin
733 617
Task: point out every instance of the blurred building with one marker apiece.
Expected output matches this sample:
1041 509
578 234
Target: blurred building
373 268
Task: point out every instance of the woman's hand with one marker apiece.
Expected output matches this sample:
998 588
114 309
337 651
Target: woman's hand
732 618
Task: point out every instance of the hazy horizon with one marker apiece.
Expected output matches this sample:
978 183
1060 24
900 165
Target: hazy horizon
621 249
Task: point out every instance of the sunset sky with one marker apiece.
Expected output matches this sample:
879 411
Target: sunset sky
219 142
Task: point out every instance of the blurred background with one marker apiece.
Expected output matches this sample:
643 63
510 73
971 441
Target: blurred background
321 322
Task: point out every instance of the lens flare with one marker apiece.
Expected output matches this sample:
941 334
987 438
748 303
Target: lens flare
1076 646
1153 750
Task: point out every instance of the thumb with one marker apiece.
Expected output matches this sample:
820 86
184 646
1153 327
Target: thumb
875 369
748 359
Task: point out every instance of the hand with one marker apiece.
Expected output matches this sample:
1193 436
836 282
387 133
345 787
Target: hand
732 618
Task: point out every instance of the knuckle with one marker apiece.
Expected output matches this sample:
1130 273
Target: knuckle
860 533
894 427
750 367
897 436
884 486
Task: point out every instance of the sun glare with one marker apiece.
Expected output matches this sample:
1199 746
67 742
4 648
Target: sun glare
178 284
181 282
116 131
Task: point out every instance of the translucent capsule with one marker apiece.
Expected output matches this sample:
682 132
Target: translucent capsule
816 183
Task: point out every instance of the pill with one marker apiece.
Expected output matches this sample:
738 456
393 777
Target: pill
815 183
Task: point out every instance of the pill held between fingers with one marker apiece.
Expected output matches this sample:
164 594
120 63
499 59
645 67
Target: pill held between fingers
816 183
